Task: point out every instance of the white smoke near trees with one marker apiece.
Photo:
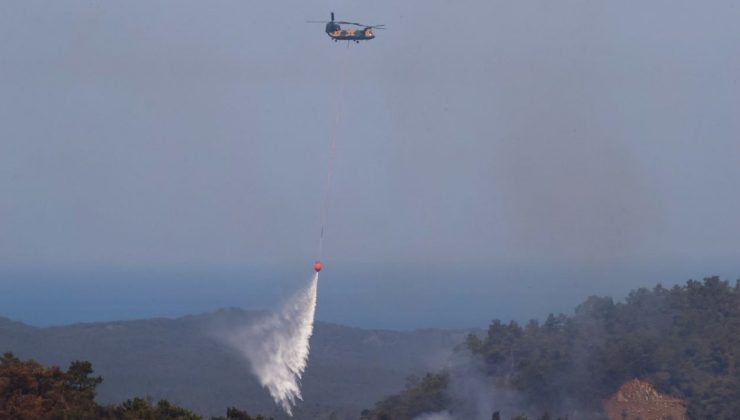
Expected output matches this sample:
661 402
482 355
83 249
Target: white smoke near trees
473 395
442 415
277 346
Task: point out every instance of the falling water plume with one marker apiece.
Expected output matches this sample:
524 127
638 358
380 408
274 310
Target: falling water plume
277 346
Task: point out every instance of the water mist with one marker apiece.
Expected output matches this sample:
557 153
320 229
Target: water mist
277 346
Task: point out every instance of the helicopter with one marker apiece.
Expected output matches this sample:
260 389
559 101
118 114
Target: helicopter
338 34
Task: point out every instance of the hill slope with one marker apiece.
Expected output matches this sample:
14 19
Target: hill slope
182 360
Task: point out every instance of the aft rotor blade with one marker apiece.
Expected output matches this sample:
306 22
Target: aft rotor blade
350 23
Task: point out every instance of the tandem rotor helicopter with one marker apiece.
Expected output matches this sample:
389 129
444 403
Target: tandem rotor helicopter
362 33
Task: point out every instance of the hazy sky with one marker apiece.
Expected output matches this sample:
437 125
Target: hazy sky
182 135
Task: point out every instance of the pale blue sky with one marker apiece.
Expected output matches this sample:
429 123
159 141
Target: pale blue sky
593 138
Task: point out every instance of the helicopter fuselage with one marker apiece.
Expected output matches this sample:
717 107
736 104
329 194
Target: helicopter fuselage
339 34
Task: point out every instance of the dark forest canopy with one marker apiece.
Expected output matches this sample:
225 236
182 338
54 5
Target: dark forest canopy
30 391
684 340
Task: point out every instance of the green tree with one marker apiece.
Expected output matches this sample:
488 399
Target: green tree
143 409
684 340
233 413
29 391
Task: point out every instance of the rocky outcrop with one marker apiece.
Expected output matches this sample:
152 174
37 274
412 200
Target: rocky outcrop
639 400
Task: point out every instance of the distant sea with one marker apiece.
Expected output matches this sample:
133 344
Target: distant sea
369 296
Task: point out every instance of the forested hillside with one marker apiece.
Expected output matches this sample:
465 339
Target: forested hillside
183 361
685 341
30 391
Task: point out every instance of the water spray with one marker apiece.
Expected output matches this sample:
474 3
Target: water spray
277 346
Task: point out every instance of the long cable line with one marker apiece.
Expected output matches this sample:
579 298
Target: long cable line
332 153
